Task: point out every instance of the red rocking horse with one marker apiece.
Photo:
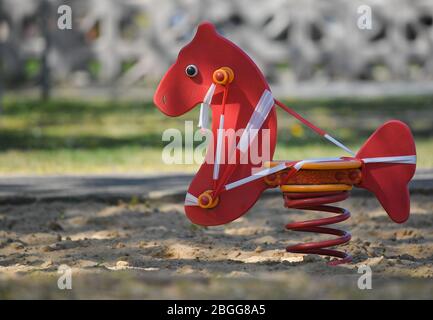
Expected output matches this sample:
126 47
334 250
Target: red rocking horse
213 71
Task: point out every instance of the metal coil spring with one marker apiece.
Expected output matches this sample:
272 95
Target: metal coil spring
317 201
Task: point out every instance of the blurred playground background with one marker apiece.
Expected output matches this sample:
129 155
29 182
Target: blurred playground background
78 101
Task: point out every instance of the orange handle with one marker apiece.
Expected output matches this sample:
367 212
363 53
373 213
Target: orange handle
223 76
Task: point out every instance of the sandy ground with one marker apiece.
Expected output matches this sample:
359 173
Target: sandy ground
144 250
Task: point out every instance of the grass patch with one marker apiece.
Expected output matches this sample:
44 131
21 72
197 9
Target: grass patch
76 137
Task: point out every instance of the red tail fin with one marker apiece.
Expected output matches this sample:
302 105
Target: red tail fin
389 181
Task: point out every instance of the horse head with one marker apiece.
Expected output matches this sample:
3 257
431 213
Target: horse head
211 66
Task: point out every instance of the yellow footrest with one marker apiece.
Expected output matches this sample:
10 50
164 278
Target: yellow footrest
328 165
315 188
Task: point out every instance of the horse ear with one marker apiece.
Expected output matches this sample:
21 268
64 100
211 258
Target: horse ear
206 29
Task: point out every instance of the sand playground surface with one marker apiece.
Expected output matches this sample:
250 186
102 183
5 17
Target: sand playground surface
148 249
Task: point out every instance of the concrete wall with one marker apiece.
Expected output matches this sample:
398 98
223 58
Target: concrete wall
132 42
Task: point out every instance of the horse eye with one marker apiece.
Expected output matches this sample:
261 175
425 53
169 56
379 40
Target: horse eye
191 70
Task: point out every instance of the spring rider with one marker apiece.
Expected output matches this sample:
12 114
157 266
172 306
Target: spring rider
214 72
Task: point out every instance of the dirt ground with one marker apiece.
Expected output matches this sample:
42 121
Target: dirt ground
141 250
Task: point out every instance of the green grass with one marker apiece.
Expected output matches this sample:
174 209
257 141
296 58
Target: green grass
76 137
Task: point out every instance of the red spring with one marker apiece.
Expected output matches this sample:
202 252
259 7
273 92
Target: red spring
317 201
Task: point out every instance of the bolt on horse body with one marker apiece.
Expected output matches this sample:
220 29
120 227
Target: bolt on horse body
213 71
